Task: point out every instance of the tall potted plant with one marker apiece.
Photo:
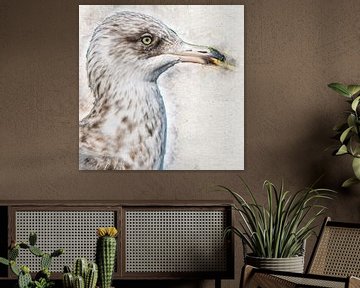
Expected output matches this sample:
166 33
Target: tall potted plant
276 233
348 133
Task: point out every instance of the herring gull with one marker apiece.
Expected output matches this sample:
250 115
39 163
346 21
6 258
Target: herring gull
126 127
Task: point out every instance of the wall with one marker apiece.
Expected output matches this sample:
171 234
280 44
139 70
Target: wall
293 49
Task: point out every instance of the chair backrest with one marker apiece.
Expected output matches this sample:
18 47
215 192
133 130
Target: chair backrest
337 251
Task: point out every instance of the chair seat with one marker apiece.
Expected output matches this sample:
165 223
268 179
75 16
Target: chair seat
315 282
263 278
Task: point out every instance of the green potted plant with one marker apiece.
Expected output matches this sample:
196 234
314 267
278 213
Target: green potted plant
348 132
84 274
42 278
87 275
276 233
106 254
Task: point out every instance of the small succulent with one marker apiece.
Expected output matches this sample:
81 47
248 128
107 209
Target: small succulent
42 278
43 283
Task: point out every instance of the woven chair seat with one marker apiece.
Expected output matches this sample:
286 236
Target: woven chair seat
314 282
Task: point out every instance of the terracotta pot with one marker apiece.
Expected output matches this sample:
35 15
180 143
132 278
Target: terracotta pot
291 264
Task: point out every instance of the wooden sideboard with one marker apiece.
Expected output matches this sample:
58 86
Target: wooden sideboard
157 240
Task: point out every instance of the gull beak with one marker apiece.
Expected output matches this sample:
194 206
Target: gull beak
201 55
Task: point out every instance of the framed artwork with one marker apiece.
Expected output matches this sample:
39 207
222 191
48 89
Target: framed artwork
161 87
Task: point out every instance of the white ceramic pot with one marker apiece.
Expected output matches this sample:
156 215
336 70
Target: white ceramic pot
291 264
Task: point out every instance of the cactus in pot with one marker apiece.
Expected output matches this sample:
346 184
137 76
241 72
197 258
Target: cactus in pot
91 276
81 266
85 275
79 282
68 278
25 279
42 278
106 254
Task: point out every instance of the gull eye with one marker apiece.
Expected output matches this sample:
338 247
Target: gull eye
146 40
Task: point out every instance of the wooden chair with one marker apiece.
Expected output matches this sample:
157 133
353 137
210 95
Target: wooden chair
335 262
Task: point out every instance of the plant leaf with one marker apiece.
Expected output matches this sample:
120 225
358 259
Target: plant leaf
14 268
248 190
32 238
355 103
351 120
342 150
353 89
345 134
354 144
349 182
356 167
4 261
340 88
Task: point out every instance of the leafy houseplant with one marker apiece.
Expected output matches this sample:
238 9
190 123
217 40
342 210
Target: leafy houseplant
42 278
279 229
349 132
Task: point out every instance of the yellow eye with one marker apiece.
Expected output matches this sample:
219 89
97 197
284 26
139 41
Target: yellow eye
146 40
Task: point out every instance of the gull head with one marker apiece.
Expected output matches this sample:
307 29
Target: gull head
137 47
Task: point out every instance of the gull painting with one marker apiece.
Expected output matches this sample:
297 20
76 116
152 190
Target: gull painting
147 84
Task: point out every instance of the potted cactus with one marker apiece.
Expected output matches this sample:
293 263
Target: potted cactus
42 278
106 254
84 275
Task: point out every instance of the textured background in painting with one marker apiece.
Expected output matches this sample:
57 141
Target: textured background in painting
205 105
